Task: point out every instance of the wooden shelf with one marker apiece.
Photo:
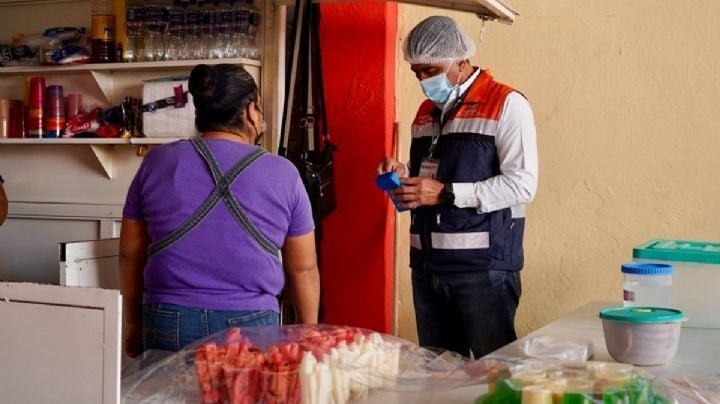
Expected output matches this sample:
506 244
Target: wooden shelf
112 67
103 149
153 140
485 9
62 141
89 141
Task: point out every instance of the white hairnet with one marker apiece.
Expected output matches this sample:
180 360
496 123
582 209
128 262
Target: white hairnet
437 39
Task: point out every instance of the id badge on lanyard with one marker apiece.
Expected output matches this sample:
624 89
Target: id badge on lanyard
429 165
429 168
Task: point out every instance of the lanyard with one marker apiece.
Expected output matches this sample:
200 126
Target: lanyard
458 101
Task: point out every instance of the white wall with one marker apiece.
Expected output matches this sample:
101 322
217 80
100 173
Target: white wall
57 194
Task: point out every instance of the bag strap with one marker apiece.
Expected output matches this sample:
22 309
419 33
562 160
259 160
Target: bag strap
290 88
319 107
309 119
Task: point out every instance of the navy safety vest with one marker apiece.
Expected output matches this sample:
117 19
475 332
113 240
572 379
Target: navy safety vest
452 239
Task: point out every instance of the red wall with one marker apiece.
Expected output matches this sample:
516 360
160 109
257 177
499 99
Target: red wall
358 50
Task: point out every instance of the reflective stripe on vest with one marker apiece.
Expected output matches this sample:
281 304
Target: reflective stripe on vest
221 192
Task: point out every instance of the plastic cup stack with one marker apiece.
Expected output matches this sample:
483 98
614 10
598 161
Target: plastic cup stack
4 117
54 112
36 98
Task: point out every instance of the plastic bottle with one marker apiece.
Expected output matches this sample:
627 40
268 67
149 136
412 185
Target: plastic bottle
156 14
102 33
135 31
176 49
647 284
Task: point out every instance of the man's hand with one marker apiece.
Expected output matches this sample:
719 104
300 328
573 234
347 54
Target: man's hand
418 191
390 164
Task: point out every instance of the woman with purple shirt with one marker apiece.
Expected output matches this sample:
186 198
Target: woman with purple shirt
206 222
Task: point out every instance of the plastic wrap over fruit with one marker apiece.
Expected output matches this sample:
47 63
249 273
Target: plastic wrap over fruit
294 364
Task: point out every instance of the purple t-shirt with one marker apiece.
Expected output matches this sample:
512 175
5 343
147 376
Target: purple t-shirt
217 265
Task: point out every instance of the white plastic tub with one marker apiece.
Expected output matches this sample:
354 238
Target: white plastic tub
647 284
643 336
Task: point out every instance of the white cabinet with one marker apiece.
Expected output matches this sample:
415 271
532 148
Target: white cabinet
59 344
90 264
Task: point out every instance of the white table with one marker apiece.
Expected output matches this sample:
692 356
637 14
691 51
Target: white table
698 353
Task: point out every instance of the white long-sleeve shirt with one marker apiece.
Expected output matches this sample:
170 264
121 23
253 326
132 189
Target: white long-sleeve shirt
516 143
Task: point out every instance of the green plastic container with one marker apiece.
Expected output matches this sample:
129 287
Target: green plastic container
696 278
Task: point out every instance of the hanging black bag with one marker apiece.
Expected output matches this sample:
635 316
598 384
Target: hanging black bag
305 116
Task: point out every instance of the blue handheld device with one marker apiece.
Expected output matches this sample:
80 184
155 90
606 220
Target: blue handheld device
387 182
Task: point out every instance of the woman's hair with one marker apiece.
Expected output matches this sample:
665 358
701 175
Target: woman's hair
220 94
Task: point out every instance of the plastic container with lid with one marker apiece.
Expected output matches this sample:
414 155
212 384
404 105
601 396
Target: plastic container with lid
696 277
647 284
642 335
569 383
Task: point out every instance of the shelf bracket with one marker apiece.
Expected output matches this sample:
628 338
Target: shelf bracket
104 82
105 155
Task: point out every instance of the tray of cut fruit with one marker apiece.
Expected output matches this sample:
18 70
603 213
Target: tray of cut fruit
293 364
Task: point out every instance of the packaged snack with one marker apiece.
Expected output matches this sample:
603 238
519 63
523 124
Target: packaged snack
570 383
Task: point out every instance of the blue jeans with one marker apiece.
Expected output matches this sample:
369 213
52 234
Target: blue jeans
466 311
171 327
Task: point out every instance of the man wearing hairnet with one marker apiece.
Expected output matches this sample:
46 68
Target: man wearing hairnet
473 167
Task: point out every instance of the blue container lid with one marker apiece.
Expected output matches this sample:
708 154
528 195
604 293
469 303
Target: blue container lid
647 268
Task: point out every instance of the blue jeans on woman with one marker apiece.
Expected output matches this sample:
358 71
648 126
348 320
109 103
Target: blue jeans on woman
466 311
171 327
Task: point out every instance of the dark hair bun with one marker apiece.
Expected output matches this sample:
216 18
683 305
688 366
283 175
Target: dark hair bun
203 82
221 87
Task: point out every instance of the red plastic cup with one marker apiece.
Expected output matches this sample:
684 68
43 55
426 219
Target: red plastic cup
73 103
35 105
17 119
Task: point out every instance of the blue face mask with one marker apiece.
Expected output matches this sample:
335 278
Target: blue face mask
437 88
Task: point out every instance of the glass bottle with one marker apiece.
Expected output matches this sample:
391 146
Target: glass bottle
225 28
240 27
193 18
135 31
102 32
208 28
156 14
176 49
253 32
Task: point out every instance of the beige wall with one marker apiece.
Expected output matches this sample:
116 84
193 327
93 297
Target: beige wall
626 99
